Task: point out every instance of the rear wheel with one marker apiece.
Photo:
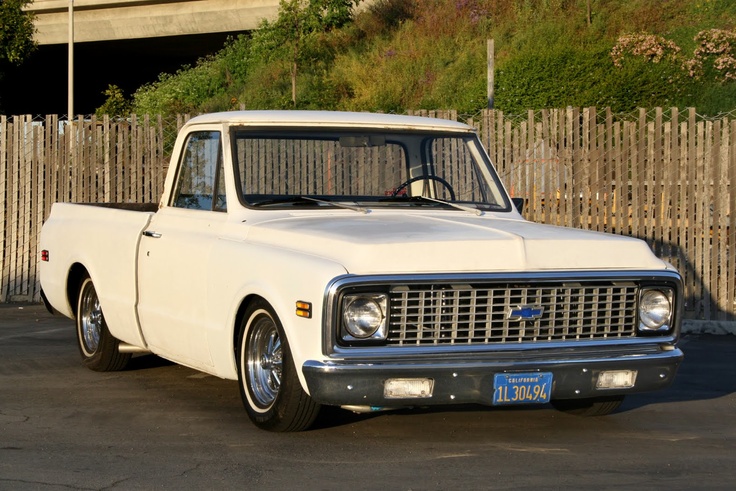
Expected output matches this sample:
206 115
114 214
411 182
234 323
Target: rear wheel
99 349
597 406
269 385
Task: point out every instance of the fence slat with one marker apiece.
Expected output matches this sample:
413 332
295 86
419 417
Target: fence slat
5 224
14 202
721 263
39 157
731 262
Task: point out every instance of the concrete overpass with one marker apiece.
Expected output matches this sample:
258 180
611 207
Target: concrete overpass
123 42
114 20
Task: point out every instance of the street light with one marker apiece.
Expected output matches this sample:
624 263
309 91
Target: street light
70 95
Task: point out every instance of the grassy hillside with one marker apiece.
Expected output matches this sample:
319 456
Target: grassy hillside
431 54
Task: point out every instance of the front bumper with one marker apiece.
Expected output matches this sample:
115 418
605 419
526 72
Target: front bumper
471 380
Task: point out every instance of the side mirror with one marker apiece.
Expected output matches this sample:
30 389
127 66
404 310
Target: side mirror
518 203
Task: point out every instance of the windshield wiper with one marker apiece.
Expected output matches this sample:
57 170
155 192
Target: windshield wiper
457 206
338 204
308 200
282 200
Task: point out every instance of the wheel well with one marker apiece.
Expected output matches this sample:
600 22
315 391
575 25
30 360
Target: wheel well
240 315
74 284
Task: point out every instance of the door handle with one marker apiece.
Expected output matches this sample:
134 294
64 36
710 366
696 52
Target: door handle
150 233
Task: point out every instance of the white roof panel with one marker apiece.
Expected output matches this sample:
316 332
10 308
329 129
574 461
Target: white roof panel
332 119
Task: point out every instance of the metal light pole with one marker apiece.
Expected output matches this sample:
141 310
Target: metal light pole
70 95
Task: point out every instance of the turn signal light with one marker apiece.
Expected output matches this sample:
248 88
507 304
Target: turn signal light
304 309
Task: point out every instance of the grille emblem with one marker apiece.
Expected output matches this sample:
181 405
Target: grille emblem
525 313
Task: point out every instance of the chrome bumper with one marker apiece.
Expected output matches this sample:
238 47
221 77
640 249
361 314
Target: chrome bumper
466 381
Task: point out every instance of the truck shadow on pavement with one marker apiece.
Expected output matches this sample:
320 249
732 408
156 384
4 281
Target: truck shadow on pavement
147 361
707 372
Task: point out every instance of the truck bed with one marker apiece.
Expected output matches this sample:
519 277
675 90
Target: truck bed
102 238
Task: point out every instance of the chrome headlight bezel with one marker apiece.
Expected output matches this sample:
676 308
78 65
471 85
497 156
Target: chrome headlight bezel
656 310
363 317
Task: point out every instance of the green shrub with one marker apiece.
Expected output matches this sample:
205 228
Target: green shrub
563 76
384 16
115 105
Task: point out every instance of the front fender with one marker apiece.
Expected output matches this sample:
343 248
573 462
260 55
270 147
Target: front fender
280 276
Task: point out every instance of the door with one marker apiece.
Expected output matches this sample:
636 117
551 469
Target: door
175 255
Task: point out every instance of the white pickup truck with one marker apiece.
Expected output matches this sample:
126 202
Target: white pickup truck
359 260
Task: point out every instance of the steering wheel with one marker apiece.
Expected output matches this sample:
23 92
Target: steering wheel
419 178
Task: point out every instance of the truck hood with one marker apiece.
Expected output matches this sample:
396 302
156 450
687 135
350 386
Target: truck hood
380 242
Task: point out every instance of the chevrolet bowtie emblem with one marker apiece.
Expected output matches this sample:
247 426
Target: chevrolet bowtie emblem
525 313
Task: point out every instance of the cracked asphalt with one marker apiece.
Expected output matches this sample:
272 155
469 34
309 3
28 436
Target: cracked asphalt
162 426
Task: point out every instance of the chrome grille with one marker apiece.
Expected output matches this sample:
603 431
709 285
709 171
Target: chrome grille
458 314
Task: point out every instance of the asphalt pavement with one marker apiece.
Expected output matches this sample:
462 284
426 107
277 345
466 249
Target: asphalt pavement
158 425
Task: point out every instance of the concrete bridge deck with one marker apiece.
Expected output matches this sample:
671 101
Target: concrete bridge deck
108 20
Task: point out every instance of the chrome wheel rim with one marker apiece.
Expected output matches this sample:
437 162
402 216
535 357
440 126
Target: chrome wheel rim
90 320
264 361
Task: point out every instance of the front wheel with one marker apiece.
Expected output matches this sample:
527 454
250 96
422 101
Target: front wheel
597 406
269 384
99 349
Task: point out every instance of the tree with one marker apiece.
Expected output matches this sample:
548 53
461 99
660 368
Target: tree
16 32
298 26
115 104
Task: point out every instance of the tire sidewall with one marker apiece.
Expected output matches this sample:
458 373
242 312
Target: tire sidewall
106 357
244 377
275 417
88 356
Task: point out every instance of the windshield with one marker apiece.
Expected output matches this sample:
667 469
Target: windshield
368 169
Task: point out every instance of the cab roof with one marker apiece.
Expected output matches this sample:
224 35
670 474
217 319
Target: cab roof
331 119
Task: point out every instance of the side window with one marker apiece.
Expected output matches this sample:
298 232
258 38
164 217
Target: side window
454 162
200 184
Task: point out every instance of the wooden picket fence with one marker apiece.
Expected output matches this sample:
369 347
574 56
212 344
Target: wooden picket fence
49 160
663 176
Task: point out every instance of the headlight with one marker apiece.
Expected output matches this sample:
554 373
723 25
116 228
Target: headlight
655 309
364 316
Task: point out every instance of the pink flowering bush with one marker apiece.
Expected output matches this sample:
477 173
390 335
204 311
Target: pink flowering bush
717 48
649 46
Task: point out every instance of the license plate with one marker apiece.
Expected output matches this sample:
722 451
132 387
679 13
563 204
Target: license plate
522 388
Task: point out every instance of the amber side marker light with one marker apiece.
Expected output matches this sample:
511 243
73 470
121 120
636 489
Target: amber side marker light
304 309
45 255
